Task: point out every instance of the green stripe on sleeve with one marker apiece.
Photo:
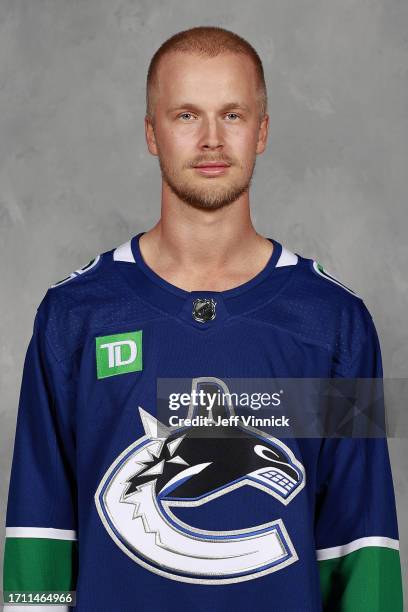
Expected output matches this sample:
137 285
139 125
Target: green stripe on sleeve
39 564
366 580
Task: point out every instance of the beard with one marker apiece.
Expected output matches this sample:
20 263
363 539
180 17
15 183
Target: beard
206 196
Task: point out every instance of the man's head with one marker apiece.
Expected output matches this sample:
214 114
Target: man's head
206 102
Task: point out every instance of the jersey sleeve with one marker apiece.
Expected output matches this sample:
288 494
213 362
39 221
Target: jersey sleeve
356 532
40 549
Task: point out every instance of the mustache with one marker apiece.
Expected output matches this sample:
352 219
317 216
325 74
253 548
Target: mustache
211 160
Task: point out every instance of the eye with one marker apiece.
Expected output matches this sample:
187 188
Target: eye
233 114
184 114
262 451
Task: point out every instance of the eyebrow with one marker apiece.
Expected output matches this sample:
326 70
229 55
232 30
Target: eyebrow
223 108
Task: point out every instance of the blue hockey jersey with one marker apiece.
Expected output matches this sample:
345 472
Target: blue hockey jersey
110 502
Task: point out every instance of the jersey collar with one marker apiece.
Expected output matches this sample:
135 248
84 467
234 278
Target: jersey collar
178 302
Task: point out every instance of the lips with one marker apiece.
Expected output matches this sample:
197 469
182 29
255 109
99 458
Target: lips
212 168
212 165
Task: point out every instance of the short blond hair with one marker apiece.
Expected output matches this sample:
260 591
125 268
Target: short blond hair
207 41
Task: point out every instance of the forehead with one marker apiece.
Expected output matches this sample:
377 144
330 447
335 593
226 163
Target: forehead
182 76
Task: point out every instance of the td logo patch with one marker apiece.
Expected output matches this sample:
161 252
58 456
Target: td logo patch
119 354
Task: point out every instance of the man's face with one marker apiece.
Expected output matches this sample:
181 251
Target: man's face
206 110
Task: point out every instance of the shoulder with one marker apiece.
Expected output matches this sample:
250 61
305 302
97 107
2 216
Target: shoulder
93 264
323 283
338 306
98 272
80 287
88 299
91 281
317 305
97 269
323 291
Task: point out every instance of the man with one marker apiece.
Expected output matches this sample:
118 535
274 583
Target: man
132 513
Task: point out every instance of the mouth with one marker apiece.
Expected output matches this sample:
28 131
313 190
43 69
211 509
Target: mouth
279 480
212 169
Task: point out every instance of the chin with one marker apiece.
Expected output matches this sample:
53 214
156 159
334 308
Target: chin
200 202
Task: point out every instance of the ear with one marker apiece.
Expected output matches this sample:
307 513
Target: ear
262 134
150 136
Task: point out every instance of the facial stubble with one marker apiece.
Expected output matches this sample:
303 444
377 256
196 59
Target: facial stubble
206 193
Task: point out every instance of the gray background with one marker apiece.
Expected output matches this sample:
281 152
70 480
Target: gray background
76 178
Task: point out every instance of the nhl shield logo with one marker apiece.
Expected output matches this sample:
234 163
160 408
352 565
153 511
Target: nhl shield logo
204 309
169 469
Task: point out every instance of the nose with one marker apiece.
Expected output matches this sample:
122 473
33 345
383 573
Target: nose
211 136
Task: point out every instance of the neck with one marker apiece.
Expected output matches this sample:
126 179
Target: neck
215 249
203 238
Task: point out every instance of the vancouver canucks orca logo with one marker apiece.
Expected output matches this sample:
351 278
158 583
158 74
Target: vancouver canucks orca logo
170 467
